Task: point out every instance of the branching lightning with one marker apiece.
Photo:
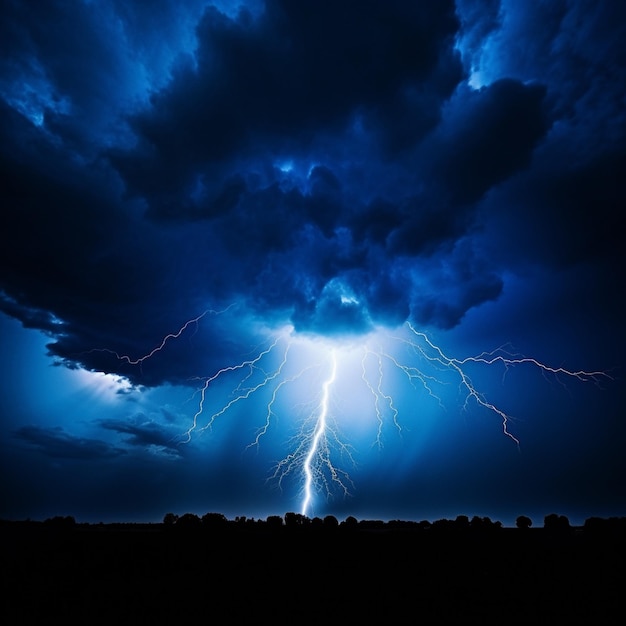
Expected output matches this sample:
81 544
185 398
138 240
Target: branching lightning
381 398
242 393
312 367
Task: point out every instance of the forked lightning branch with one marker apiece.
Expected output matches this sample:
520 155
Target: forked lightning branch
306 370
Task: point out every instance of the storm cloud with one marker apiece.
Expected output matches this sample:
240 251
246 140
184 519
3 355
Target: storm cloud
332 166
185 184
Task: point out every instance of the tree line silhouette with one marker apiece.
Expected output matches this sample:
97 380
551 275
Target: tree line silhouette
189 568
552 523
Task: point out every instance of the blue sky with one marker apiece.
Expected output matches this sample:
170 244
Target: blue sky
212 207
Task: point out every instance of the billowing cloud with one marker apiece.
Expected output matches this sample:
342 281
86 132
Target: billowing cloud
186 183
310 163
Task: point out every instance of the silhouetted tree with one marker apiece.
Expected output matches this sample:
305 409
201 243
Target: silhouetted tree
371 523
188 521
594 525
214 520
330 522
293 520
443 524
61 523
169 519
523 522
274 521
607 528
556 523
484 524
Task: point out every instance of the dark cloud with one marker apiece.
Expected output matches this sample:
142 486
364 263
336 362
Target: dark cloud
315 164
488 135
578 207
300 74
61 67
441 302
57 443
213 173
145 433
577 52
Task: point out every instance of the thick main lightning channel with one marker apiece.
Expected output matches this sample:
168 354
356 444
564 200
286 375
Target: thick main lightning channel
320 431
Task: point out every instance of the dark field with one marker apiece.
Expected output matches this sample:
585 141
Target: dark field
250 573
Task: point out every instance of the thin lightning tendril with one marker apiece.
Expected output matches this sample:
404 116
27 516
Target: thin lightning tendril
252 365
379 394
139 361
270 407
318 443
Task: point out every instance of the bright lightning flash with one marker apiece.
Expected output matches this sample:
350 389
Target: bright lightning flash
320 431
292 366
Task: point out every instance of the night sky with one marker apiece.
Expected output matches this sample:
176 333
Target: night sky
211 208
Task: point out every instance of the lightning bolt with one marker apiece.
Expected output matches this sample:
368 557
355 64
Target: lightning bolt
318 434
251 365
318 445
381 398
140 360
498 356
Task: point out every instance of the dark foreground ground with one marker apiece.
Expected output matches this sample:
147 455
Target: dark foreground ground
134 574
